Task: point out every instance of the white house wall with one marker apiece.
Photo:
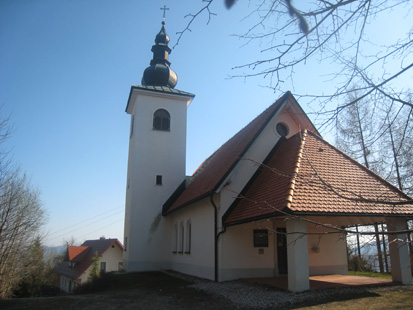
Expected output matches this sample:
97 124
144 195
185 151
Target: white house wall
200 261
238 256
327 254
112 257
67 284
84 277
151 153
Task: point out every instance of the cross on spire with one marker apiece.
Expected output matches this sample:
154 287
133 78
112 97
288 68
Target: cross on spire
164 10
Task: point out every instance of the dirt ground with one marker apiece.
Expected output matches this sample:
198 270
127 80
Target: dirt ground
157 290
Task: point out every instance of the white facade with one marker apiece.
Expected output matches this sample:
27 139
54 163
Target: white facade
153 155
196 256
155 242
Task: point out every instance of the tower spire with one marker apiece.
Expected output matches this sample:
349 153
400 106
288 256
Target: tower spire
159 72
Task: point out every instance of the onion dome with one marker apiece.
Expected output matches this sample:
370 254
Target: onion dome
159 72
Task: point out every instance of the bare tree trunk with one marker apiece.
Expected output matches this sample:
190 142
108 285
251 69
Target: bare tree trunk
358 244
396 162
379 254
363 145
386 263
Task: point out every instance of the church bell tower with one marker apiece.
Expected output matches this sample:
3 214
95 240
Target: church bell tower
157 158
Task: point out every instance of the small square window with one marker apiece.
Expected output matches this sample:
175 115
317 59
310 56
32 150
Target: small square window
261 238
158 180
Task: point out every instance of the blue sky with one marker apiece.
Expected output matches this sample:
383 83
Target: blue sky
66 68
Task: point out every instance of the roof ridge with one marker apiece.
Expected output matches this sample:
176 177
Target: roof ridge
291 184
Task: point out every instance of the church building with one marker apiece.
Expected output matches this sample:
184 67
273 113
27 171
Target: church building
274 200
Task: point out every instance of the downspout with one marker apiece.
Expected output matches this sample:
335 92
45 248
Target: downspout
216 236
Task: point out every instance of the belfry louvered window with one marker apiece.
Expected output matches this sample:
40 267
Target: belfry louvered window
162 120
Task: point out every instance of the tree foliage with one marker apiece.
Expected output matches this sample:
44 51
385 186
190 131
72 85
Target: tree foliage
38 272
21 217
379 136
94 269
356 132
341 33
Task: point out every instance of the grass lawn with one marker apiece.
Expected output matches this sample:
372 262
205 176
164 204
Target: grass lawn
382 299
370 274
160 291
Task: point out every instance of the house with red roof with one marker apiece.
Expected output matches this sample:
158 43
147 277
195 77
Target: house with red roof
75 268
274 200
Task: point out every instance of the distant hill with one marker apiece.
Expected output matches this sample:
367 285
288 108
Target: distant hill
50 251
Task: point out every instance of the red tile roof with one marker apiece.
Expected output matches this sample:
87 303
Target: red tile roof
76 253
305 174
217 167
82 256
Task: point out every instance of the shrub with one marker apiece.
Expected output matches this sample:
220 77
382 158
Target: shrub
356 263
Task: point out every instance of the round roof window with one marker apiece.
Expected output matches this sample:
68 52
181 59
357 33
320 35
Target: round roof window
281 129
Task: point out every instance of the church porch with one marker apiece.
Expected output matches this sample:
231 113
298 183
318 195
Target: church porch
314 249
300 249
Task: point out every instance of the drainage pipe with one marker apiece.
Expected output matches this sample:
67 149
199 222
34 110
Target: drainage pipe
216 236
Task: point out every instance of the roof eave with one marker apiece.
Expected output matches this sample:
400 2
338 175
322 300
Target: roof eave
167 212
160 91
287 212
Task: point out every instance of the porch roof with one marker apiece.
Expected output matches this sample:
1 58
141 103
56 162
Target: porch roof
306 175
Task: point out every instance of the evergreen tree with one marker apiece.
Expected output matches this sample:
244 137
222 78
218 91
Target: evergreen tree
94 269
34 271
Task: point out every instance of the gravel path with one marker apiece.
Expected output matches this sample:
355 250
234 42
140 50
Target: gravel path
254 296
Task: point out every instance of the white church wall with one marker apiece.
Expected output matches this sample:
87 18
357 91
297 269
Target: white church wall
199 261
327 254
152 153
238 256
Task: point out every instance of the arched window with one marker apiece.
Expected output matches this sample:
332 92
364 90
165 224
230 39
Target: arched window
161 120
188 238
175 241
181 238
